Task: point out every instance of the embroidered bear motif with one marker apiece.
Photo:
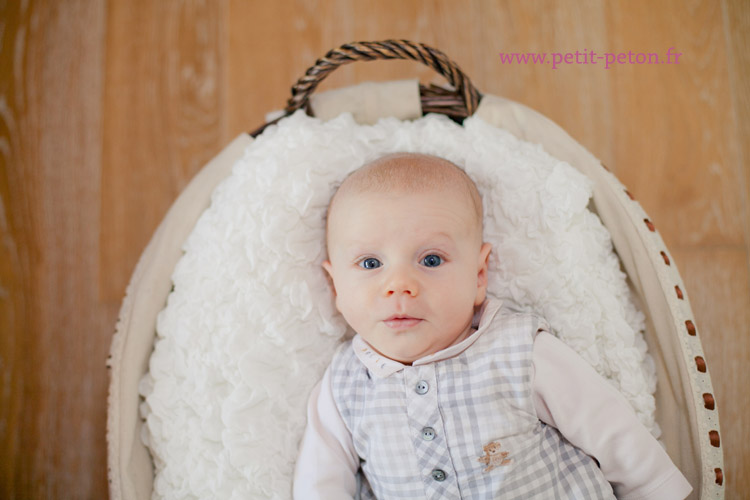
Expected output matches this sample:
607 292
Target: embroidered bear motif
494 456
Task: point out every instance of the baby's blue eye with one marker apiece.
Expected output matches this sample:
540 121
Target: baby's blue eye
432 261
370 263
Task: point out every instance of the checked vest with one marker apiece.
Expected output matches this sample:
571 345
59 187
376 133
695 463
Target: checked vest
464 427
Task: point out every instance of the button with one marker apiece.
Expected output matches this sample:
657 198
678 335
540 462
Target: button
428 433
438 475
422 387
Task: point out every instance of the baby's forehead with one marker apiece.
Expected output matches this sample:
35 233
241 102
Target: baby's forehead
407 174
381 218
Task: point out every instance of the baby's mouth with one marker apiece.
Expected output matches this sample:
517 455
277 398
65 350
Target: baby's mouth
400 321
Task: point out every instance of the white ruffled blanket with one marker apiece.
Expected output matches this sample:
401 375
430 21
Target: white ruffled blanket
251 324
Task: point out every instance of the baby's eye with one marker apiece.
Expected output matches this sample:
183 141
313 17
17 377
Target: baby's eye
370 263
432 261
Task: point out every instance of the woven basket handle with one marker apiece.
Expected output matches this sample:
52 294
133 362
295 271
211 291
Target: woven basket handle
458 103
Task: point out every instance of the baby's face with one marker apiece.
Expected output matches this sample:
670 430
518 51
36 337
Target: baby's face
408 270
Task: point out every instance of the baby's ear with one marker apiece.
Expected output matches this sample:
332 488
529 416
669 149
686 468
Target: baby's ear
484 262
484 258
329 274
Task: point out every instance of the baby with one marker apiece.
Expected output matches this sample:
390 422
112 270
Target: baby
441 393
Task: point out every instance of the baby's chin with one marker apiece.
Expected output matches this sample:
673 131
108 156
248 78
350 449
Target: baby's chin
402 354
395 355
405 360
408 354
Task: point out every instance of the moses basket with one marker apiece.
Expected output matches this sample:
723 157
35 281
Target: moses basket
685 407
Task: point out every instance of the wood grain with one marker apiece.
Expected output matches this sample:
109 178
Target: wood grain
54 382
108 110
686 106
163 108
737 22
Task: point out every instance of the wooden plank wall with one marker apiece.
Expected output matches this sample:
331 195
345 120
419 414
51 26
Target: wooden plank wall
108 109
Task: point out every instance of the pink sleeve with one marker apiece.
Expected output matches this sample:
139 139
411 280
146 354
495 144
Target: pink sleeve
593 416
327 462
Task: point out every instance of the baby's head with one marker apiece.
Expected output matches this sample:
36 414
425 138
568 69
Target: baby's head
406 258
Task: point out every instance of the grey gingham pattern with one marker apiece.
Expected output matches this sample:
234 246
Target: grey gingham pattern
481 396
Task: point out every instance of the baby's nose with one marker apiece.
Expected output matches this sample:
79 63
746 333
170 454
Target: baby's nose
401 282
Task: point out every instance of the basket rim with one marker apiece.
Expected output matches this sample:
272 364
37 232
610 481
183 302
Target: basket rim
659 258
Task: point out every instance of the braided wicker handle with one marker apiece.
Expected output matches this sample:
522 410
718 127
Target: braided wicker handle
457 104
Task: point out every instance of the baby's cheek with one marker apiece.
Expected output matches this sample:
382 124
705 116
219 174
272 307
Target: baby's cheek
347 307
342 302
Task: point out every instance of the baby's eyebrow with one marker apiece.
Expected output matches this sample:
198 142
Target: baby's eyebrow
356 248
367 244
442 236
356 244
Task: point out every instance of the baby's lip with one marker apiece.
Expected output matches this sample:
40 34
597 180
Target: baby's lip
398 321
